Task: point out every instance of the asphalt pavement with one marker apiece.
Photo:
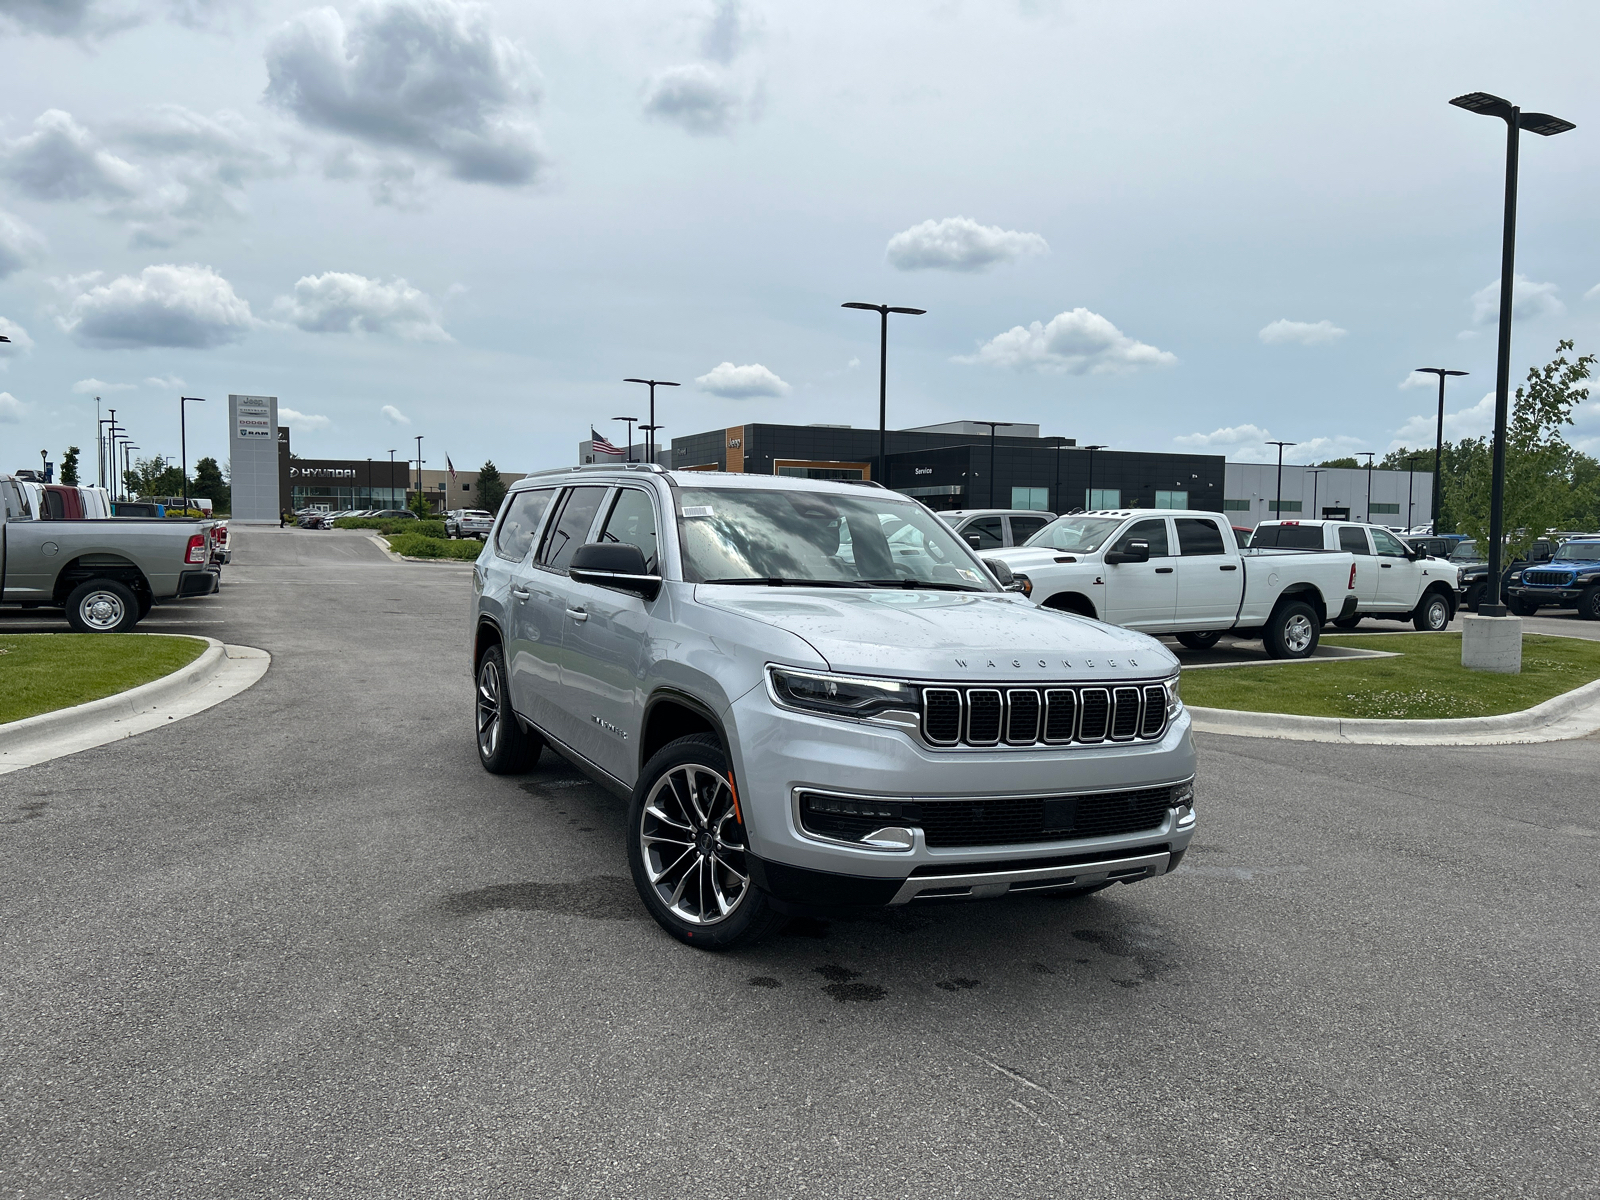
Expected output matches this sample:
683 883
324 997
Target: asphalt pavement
302 945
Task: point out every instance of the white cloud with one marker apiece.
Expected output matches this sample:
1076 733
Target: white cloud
1416 379
1233 435
99 387
742 383
302 422
11 409
1302 333
1078 342
959 244
430 80
394 415
1529 301
20 342
694 98
1593 293
728 31
100 18
339 302
61 160
20 245
1477 421
166 383
167 305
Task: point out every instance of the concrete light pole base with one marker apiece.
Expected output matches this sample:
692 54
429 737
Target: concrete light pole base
1492 644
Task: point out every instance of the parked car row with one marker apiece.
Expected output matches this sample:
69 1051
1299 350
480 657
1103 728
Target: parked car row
320 518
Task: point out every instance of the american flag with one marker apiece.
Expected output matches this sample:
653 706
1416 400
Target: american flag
452 467
600 443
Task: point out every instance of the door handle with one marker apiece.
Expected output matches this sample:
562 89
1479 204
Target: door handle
1386 566
520 593
1163 570
1229 567
577 614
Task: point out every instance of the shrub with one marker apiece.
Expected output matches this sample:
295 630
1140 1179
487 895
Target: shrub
415 545
434 529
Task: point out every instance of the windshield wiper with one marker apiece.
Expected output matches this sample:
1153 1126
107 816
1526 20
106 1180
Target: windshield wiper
786 581
930 584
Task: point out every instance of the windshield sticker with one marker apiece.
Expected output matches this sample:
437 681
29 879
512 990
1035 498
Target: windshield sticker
970 576
697 510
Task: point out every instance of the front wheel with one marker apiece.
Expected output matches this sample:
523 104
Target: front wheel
1432 615
1293 631
1589 604
1522 608
1202 640
504 746
1474 597
688 850
102 606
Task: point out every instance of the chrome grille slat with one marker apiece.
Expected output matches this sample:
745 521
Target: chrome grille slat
991 716
1022 717
1125 714
1094 714
985 716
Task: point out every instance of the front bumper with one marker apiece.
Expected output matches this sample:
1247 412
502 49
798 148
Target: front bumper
1564 596
778 754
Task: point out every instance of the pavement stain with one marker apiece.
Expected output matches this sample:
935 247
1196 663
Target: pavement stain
763 981
598 897
30 811
1138 944
843 988
958 984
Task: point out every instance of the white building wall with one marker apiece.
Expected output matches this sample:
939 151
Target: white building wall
1335 487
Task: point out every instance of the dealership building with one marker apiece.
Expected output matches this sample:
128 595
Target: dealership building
345 483
959 465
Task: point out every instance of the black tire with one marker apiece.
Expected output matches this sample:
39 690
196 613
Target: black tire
686 808
1203 640
146 603
1292 631
504 746
1522 608
102 606
1347 622
1433 613
1589 604
1474 597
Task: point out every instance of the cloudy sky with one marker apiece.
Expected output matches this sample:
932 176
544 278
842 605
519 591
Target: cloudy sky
1150 225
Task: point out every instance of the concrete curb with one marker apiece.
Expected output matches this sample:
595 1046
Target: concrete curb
1570 715
219 673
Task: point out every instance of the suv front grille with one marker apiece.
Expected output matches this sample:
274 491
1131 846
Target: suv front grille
1548 578
1058 716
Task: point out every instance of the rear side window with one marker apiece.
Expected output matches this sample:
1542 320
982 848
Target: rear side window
1023 528
523 514
1353 539
984 533
633 520
1152 531
1289 537
1197 536
570 526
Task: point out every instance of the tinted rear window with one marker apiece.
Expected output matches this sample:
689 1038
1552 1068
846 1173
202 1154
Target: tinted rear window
1197 536
1289 537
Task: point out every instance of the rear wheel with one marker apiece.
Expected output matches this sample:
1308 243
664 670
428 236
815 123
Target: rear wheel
1203 640
1293 631
688 850
504 746
1589 604
102 606
1433 614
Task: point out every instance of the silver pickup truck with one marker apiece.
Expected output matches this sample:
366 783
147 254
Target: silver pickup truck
106 574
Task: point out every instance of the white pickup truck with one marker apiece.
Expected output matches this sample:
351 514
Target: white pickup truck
1183 573
1393 581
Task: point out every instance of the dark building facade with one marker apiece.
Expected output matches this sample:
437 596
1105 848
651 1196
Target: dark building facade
948 470
338 483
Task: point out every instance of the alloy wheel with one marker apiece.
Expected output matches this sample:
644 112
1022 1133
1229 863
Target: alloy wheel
488 708
102 610
1298 632
1438 614
693 845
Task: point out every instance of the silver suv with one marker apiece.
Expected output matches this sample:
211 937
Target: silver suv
815 697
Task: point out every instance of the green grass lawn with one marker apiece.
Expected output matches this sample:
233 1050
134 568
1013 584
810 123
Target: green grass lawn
40 672
1426 682
415 545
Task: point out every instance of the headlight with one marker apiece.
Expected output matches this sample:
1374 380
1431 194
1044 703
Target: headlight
1174 701
841 695
1021 583
1516 577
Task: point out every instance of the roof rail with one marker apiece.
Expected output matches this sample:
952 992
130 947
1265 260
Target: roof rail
864 483
654 468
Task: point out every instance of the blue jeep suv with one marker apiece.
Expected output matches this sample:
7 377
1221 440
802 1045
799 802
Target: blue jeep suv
1571 578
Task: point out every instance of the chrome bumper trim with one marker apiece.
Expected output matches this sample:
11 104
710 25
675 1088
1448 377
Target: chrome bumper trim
998 883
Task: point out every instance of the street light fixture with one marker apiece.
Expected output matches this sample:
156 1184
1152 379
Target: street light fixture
1278 503
650 437
183 443
1055 496
631 422
1315 473
1370 456
1411 475
1089 491
1438 439
649 442
1545 125
419 464
993 425
883 311
391 482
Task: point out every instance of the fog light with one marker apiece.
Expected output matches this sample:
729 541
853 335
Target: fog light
1183 795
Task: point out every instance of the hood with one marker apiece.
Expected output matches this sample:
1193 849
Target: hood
1021 558
1572 564
959 637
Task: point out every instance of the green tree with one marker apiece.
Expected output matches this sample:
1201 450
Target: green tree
69 467
153 477
1348 460
491 488
209 485
419 504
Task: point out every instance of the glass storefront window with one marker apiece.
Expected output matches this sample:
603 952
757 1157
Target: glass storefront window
1172 499
1032 498
1102 498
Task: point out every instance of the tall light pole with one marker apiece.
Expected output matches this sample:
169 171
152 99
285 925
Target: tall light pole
650 436
883 311
127 464
1315 474
993 425
1055 496
1438 439
183 443
1370 456
1278 503
631 422
1411 476
419 464
1089 491
1546 126
649 442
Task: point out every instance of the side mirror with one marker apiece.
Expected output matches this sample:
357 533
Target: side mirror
1136 551
617 565
1002 574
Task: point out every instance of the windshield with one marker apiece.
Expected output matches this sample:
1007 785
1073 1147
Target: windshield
734 535
1579 551
1076 535
1466 551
